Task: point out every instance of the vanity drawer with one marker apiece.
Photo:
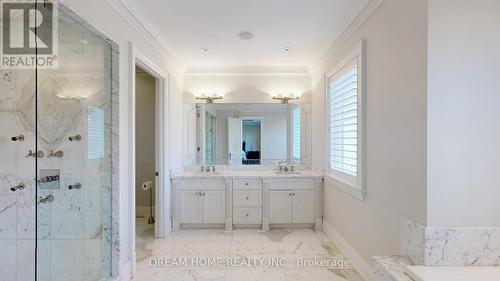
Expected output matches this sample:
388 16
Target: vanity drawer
247 215
247 184
275 184
247 198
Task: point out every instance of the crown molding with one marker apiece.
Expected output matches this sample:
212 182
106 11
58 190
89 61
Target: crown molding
363 13
247 71
136 19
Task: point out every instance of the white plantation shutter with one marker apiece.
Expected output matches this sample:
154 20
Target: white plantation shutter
343 116
296 133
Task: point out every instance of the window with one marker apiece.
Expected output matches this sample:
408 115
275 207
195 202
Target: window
95 119
296 133
344 119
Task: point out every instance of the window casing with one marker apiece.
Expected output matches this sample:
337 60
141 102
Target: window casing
344 119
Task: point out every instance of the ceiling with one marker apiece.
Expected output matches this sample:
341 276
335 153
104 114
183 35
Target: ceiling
309 27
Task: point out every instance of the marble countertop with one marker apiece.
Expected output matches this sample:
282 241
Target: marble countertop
268 174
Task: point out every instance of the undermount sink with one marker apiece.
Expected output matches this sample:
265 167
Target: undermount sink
288 173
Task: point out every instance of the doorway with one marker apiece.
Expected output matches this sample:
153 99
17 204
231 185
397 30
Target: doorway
251 146
145 155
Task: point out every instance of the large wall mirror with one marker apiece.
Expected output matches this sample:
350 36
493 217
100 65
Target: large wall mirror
252 134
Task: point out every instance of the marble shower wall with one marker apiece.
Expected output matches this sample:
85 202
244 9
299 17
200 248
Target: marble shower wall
74 231
434 246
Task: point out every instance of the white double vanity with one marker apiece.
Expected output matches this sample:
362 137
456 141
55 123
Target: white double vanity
246 166
244 199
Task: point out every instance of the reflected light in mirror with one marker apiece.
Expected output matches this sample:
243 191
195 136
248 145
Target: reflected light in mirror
74 95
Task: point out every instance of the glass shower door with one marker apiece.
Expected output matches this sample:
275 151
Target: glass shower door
73 188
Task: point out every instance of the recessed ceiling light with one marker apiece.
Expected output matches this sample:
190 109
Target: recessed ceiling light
245 35
205 49
287 49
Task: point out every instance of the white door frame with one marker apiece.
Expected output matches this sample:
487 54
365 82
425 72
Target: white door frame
162 190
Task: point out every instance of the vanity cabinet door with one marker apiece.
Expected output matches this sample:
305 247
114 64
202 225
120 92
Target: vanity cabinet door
280 206
303 206
214 206
191 207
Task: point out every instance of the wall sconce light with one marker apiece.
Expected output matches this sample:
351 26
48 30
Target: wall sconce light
209 99
285 99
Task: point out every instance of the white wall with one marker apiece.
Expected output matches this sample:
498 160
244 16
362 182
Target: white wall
396 44
102 15
145 133
464 113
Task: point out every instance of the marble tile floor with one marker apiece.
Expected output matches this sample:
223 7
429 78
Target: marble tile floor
241 255
144 234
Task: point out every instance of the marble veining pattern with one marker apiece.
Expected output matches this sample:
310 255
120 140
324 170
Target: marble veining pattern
412 240
247 244
462 246
390 268
434 246
75 232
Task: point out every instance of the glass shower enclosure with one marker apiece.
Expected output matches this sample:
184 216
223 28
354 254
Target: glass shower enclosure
58 155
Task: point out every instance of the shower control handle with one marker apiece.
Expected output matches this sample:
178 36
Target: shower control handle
47 199
75 186
18 187
49 179
18 138
38 154
57 154
75 138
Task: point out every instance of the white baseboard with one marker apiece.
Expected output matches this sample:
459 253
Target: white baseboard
362 267
143 211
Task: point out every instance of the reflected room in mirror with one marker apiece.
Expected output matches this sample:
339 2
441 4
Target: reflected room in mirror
252 134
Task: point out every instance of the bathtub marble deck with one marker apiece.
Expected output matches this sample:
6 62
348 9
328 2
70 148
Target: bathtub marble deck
244 246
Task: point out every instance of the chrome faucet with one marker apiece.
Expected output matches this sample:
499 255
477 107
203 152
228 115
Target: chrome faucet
207 168
283 166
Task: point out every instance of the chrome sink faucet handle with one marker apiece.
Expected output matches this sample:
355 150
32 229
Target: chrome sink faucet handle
282 165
